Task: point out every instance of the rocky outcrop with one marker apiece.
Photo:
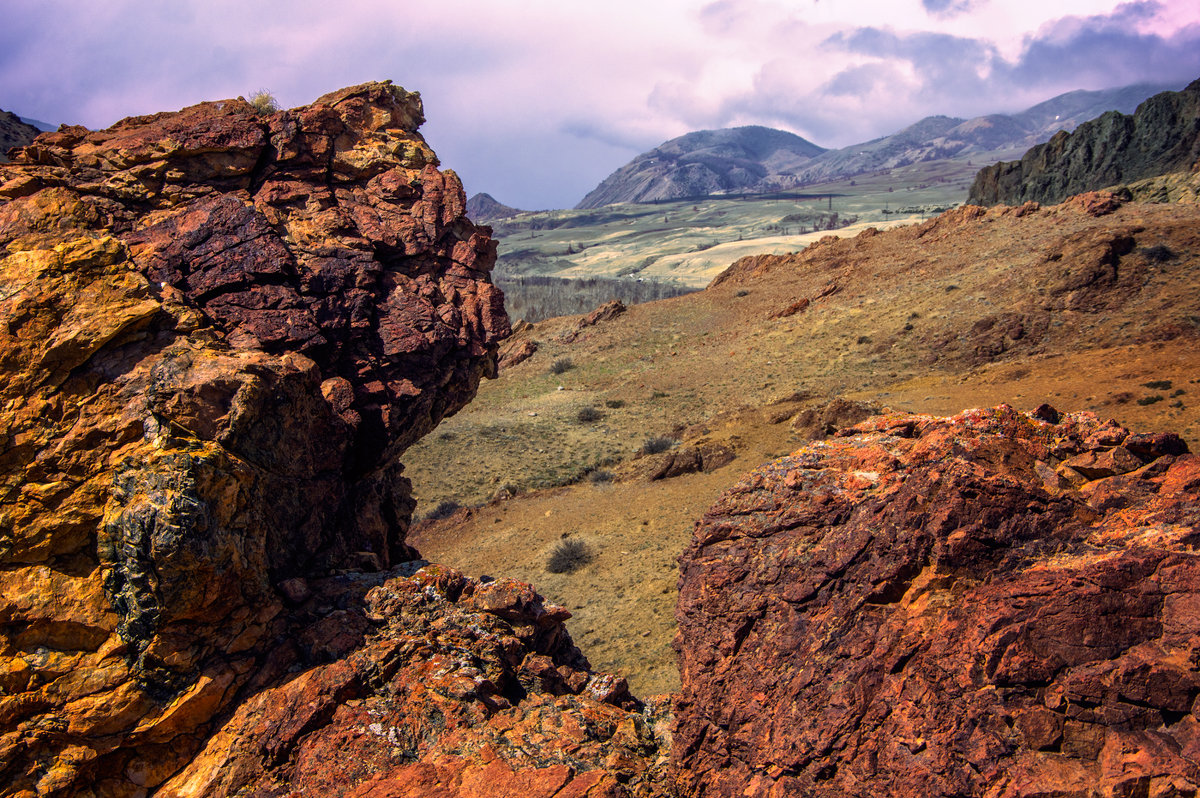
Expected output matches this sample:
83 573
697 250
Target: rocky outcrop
438 685
14 133
219 332
997 604
1161 137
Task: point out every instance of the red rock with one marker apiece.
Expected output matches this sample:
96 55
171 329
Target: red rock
908 609
221 332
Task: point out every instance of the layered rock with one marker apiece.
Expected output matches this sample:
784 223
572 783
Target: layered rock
220 331
1161 137
996 604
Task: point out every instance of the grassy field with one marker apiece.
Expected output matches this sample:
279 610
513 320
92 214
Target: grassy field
688 242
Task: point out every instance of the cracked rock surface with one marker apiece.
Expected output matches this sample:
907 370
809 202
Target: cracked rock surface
992 604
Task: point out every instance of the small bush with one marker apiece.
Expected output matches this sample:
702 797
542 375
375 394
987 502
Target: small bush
613 404
264 102
1158 385
444 509
600 476
657 444
588 415
1149 400
1157 253
568 556
561 365
743 292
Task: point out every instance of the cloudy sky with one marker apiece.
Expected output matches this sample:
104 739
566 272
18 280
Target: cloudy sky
536 101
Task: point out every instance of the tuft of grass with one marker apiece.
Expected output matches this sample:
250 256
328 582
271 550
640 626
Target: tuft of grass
614 404
444 509
657 444
1158 385
561 365
600 476
1149 400
264 102
587 415
568 556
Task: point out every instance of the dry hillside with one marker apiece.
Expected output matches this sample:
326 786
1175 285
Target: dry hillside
1084 306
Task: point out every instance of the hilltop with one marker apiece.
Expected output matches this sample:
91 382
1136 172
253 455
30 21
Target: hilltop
703 163
14 132
485 208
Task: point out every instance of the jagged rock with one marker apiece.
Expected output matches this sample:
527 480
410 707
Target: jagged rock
220 331
701 455
453 687
820 422
1161 137
919 607
606 312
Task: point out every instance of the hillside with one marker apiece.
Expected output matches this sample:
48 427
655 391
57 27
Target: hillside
1161 137
970 309
14 133
703 163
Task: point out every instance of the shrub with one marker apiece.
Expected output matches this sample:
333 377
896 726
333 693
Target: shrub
264 102
613 404
1158 385
1157 253
657 444
600 476
561 365
588 414
444 509
568 556
1149 400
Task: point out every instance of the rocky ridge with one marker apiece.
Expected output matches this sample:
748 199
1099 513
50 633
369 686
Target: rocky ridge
997 604
220 332
1161 137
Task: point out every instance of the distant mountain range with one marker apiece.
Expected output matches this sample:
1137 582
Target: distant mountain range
760 159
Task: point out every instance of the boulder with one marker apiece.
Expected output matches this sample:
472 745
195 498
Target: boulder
922 606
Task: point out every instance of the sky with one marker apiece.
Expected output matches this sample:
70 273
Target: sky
536 101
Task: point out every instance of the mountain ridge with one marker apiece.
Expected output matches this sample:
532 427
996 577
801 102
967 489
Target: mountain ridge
693 166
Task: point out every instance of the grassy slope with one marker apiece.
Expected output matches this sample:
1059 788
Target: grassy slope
922 319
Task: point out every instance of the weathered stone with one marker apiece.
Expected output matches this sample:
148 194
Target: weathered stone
220 331
908 609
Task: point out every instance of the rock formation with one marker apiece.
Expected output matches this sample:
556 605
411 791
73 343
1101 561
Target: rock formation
220 331
14 133
1161 137
996 604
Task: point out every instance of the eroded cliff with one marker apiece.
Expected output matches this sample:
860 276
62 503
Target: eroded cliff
220 331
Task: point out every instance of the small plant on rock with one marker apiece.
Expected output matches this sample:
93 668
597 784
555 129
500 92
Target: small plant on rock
264 102
568 556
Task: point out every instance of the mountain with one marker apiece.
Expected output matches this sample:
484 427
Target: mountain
14 132
656 175
485 207
702 163
1161 137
